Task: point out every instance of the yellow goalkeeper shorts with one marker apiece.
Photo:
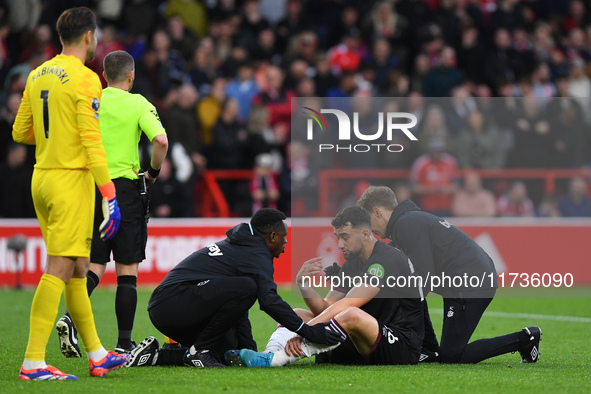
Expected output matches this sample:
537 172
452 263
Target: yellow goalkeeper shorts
64 202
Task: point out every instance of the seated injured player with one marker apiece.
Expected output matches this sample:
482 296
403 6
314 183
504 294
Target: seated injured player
378 324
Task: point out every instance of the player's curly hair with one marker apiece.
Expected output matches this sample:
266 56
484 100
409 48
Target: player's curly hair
73 23
378 196
354 215
267 220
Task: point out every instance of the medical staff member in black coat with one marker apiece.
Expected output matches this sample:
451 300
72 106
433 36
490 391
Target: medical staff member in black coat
203 302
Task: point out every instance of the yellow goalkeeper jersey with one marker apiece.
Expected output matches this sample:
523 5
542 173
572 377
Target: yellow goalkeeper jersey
59 113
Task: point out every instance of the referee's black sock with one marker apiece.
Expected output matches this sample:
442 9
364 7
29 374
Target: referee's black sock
92 281
125 305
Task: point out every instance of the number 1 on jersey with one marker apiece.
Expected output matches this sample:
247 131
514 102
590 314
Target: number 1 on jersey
45 97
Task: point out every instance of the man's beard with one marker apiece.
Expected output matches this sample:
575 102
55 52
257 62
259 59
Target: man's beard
90 55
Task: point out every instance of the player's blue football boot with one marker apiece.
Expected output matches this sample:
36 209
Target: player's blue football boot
232 358
110 362
253 359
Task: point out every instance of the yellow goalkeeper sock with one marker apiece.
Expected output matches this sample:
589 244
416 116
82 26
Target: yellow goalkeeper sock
43 313
80 310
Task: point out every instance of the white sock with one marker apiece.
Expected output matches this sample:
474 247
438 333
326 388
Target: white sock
278 340
309 349
192 350
97 355
281 358
34 364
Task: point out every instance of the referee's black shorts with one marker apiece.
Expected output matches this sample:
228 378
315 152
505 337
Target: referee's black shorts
129 244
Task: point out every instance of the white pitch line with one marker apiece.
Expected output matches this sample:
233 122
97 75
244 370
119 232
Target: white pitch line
529 316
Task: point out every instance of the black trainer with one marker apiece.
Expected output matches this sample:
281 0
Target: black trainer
202 359
68 337
119 349
145 354
530 353
427 356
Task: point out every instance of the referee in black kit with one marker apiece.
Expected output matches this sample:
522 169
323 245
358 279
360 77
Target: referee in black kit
203 302
437 248
123 118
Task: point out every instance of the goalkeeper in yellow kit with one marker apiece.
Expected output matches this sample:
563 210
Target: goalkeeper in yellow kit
59 114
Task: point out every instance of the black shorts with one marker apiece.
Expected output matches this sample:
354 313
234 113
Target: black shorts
392 348
129 244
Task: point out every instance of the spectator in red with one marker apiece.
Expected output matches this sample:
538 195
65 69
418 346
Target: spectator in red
434 176
577 16
347 55
263 188
276 98
515 202
473 200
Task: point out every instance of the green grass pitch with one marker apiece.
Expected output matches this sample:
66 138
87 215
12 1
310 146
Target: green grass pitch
564 366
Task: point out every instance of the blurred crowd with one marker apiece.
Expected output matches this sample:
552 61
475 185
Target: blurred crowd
222 74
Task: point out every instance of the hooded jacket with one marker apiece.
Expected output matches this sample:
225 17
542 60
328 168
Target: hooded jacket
437 247
243 253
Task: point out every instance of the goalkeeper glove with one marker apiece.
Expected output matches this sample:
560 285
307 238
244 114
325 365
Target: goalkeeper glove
111 213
